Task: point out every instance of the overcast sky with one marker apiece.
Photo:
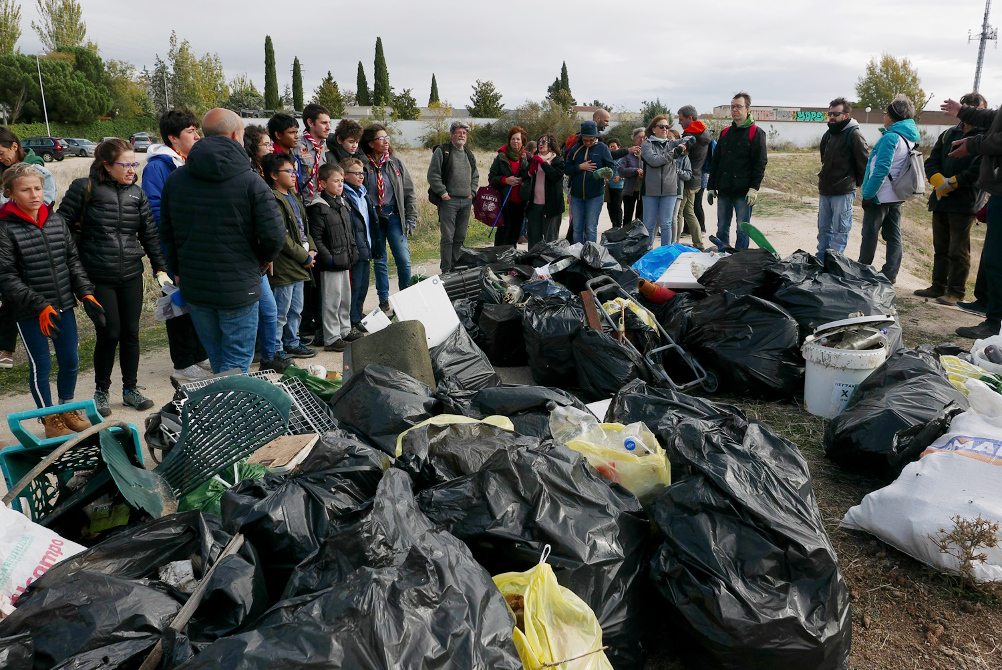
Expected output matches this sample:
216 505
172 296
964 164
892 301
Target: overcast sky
783 52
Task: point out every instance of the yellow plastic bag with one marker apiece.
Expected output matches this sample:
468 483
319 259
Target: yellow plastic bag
557 626
615 306
645 471
501 422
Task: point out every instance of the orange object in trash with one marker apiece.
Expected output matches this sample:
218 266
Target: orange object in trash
656 294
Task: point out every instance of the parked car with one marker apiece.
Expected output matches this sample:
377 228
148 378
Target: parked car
49 148
79 146
141 141
105 139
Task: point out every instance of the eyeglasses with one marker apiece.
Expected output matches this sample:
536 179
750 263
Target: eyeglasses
737 106
662 126
542 141
355 172
288 171
384 138
128 165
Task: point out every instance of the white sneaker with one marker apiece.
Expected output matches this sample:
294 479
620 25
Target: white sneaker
191 373
205 365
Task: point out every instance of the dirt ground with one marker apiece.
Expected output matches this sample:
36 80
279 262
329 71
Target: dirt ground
904 614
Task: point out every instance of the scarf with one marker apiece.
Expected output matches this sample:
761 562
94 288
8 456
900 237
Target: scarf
316 163
379 174
511 153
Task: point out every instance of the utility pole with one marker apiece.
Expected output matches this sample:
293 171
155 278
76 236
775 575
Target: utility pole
987 33
166 95
38 64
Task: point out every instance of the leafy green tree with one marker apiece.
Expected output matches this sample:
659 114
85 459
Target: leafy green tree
297 85
405 107
433 96
648 110
328 95
362 97
271 99
198 83
887 77
61 24
485 102
536 117
69 96
10 26
243 95
129 97
382 94
287 97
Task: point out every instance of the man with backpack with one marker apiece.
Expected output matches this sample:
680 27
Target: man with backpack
843 164
891 178
452 184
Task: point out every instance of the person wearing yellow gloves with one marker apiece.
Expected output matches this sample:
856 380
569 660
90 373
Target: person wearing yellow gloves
953 203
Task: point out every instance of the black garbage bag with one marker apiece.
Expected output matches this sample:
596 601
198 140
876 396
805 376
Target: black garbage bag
675 316
598 257
662 409
604 365
522 500
909 444
459 356
486 255
468 311
774 597
433 454
526 406
235 594
628 243
751 344
289 516
746 272
390 591
342 450
594 261
545 288
910 389
17 651
380 402
501 335
816 291
549 326
546 252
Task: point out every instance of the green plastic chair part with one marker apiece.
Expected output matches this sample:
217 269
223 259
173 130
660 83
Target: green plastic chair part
142 488
221 424
28 440
756 235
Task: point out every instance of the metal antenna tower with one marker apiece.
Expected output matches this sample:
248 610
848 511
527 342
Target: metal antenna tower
987 33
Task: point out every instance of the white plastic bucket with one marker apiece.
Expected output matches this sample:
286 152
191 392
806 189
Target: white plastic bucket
832 376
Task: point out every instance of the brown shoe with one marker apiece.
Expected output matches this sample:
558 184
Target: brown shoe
950 299
54 426
931 292
75 422
338 345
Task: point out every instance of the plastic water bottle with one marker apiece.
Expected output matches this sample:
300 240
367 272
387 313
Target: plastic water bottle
568 423
630 444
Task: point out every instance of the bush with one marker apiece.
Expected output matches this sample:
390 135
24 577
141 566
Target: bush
536 117
92 131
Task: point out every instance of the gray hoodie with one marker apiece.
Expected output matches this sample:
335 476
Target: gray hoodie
660 171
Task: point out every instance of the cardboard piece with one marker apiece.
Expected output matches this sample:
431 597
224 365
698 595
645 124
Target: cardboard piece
285 452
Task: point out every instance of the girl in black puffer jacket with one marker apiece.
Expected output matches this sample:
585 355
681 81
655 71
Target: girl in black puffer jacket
111 215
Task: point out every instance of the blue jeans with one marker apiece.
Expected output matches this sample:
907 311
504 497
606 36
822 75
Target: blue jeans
394 234
658 210
227 334
359 288
267 322
834 221
40 363
885 218
738 206
289 299
584 217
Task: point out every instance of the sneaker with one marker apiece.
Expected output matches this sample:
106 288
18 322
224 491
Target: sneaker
300 352
931 292
981 331
6 359
385 306
278 364
337 345
103 403
192 373
135 398
205 365
306 340
973 307
949 299
355 334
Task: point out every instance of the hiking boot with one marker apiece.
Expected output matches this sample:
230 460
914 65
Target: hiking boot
931 292
192 373
338 345
973 307
75 422
102 402
300 352
982 331
54 426
355 334
277 364
950 299
6 359
385 306
134 398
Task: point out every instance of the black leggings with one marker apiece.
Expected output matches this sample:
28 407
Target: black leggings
8 328
698 208
123 304
631 202
512 215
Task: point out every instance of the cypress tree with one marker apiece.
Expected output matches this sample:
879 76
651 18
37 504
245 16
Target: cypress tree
565 82
271 99
433 98
297 85
381 78
362 98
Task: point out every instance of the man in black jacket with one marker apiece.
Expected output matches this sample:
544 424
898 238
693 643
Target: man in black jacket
222 228
844 153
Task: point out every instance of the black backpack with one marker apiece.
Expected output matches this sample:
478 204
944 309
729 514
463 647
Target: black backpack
435 198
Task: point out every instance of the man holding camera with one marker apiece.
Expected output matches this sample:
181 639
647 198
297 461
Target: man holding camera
698 150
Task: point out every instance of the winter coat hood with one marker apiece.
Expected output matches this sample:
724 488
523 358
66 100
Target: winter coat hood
695 128
217 159
906 129
162 152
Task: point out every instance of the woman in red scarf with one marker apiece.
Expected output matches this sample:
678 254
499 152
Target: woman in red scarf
509 170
